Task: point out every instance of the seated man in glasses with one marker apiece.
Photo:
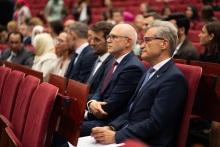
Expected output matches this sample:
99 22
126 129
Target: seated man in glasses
17 52
154 112
118 84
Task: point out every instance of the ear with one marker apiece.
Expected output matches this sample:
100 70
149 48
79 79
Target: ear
165 44
211 36
128 42
182 30
73 35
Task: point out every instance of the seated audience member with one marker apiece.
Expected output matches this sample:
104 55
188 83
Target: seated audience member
35 21
83 59
99 32
3 35
24 30
55 28
212 4
185 50
192 13
65 55
45 59
208 14
145 8
37 30
53 10
17 52
118 17
67 24
138 23
148 18
12 26
166 11
209 38
118 86
154 112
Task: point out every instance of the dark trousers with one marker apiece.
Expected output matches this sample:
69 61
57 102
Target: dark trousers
58 141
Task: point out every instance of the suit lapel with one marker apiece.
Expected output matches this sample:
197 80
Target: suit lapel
153 79
181 49
120 67
19 56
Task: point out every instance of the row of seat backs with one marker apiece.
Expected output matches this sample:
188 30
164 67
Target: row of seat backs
40 104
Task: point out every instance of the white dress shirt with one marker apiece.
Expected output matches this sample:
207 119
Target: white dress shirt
12 54
79 50
177 48
102 59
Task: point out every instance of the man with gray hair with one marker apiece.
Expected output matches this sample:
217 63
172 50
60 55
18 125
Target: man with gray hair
24 30
154 112
81 63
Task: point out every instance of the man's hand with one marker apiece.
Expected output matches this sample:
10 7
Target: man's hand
103 135
96 109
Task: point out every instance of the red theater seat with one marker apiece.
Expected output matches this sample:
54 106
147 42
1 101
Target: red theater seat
30 47
199 26
3 47
146 64
4 74
193 35
134 143
192 74
217 14
198 47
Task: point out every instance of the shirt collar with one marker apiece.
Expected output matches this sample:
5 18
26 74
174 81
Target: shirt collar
178 47
103 57
13 54
121 58
80 49
25 38
159 65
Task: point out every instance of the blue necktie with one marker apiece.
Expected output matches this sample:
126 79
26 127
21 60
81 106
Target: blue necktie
145 81
93 70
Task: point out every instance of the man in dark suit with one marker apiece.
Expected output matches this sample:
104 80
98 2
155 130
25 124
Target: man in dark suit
24 30
120 80
17 52
154 112
98 41
185 50
81 63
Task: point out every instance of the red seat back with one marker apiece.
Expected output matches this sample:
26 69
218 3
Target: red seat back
30 47
1 63
193 35
199 26
25 92
180 61
198 47
59 82
146 64
192 74
134 143
4 74
38 115
3 47
9 94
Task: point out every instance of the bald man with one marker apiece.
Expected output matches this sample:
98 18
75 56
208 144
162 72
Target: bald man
119 81
67 24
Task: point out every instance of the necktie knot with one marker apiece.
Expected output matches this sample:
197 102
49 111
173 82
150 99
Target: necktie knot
115 63
151 69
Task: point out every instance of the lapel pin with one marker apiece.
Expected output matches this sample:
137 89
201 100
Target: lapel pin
157 76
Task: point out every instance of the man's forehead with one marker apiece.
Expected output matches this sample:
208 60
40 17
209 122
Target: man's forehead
14 37
148 19
150 32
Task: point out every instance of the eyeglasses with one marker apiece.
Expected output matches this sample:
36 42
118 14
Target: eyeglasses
96 40
146 39
11 43
60 40
112 37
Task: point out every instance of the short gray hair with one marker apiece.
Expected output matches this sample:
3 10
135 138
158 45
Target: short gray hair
167 31
80 29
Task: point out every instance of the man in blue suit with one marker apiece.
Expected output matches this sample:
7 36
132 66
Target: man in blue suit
120 80
24 30
154 112
81 63
100 30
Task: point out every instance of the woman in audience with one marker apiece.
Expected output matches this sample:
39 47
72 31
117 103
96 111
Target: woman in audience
192 13
166 11
209 38
37 30
45 58
82 11
55 27
208 14
65 55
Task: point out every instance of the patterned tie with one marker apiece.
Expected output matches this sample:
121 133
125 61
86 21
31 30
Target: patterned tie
109 75
12 58
93 70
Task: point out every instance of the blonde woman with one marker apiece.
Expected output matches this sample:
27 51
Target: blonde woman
45 58
65 55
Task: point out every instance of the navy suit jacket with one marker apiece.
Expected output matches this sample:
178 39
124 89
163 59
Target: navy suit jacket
97 78
82 66
120 87
27 41
157 109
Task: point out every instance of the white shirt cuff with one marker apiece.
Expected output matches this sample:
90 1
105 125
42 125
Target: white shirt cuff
86 115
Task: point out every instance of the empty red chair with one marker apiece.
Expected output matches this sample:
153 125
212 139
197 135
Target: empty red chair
9 94
192 74
193 35
35 129
198 47
146 64
199 26
134 143
181 8
4 74
25 92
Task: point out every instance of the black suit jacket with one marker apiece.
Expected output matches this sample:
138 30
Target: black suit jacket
27 41
157 109
119 88
24 57
83 65
97 78
187 51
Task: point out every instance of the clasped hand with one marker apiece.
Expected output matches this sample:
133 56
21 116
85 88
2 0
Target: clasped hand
96 109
